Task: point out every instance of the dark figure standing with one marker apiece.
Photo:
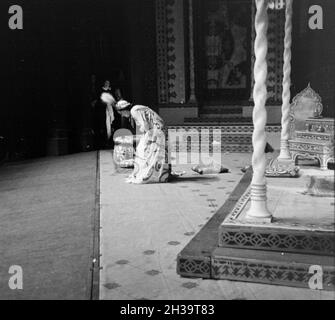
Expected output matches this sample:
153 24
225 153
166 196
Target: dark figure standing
104 127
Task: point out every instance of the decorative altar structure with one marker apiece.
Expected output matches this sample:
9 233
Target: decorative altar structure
311 136
272 233
316 142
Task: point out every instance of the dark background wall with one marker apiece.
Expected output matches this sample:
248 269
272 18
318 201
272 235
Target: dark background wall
66 49
48 69
314 53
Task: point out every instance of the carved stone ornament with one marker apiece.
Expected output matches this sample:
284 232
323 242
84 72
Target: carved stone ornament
282 169
307 104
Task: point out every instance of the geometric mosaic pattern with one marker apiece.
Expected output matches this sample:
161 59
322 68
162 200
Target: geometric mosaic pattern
319 244
212 149
176 51
272 273
230 138
276 34
225 128
170 50
192 266
259 271
162 47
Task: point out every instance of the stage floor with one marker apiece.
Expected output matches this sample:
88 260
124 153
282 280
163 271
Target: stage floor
144 227
48 218
47 208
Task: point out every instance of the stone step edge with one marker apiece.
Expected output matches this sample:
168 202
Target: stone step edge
291 269
277 239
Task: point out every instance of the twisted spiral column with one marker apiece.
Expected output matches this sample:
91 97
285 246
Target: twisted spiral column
286 96
258 208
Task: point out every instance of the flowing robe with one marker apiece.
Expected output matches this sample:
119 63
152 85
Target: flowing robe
150 165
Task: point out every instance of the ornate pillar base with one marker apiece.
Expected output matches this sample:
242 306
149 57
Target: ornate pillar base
284 151
258 212
284 168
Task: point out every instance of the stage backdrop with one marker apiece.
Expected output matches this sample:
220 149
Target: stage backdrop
225 38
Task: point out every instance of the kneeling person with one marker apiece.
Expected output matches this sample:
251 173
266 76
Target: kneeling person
150 163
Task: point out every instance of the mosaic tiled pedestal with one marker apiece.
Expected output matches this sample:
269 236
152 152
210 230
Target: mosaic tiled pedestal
287 269
196 258
301 235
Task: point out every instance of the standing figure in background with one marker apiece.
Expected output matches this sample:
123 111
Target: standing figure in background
151 163
104 116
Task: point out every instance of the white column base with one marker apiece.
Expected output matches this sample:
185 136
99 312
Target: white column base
284 151
258 211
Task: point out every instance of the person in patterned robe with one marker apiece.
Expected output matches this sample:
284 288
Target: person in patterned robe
150 165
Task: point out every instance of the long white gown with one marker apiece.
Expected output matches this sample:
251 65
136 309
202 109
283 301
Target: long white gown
150 164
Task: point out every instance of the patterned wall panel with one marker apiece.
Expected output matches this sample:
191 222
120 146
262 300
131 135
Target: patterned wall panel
162 63
170 24
171 51
149 54
276 32
278 47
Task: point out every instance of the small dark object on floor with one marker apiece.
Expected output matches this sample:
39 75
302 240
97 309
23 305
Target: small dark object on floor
268 148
